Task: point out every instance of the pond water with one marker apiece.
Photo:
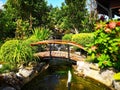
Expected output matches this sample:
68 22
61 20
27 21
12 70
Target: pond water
55 78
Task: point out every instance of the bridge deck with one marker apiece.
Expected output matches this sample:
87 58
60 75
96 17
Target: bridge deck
59 54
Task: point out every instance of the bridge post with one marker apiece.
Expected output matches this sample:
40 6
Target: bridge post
68 48
50 49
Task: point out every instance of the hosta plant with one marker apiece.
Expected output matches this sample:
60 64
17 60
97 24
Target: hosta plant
106 46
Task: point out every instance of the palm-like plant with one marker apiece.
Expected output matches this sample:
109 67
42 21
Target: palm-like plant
41 33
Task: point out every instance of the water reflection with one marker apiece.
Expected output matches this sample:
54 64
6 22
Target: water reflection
55 78
49 82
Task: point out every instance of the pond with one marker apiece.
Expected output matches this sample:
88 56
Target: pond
55 78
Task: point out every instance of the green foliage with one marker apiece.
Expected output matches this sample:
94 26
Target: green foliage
7 25
41 33
22 29
58 20
88 24
67 37
104 61
106 45
76 13
30 40
18 15
117 76
1 42
25 9
15 52
6 68
83 38
71 17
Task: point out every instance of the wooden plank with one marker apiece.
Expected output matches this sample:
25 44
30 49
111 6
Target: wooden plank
59 54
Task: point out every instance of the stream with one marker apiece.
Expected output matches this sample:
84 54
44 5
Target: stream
56 77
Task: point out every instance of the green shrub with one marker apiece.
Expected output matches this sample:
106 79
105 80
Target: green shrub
30 40
22 29
6 67
15 52
0 44
117 76
67 37
106 46
83 38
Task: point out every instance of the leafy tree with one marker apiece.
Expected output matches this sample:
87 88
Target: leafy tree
77 13
58 20
35 12
29 10
54 19
7 26
93 15
22 29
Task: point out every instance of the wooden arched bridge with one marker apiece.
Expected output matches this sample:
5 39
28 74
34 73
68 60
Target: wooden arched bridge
63 50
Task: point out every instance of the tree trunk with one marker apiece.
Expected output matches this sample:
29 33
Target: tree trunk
76 30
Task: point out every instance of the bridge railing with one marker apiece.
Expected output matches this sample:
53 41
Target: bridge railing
58 45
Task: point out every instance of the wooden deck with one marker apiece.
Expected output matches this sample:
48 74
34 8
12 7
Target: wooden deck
59 54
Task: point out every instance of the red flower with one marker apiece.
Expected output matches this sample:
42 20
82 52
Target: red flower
112 25
118 24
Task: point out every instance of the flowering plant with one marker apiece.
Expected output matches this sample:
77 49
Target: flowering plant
106 46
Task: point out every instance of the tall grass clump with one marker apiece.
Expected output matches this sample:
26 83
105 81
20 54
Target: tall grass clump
15 52
41 33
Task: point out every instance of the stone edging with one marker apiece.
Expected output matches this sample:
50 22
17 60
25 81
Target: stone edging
15 81
93 71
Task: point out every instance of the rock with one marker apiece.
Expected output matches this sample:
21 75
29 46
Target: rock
93 71
81 65
116 85
94 66
1 79
32 64
25 73
14 81
1 65
107 76
8 88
